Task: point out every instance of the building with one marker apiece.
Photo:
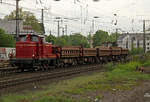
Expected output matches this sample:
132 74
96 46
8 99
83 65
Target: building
133 40
10 27
4 52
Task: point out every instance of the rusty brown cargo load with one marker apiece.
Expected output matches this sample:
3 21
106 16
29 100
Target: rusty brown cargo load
124 51
70 52
89 52
103 51
115 51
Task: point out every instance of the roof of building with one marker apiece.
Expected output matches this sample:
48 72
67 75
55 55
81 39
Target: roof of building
122 36
9 26
139 36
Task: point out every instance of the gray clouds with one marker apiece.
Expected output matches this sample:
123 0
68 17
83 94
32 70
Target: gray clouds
104 9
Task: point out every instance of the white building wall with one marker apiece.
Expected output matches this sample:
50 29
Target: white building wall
4 52
134 38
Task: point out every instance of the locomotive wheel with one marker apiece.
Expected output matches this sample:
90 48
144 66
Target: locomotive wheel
22 69
61 65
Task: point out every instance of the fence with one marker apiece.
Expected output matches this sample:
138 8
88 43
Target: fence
4 52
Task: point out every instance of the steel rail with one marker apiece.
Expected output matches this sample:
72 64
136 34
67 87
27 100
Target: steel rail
49 75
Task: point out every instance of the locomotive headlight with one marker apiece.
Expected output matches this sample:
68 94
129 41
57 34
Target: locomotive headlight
33 56
10 55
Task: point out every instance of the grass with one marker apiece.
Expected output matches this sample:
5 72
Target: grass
118 77
54 99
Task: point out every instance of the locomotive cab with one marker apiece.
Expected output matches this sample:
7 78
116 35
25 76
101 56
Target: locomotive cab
26 50
27 46
32 50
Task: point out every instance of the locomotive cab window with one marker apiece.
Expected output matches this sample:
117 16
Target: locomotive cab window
22 38
43 39
34 38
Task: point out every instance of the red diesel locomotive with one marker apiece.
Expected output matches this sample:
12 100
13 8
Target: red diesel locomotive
32 52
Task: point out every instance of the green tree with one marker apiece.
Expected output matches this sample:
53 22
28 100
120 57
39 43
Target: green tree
89 37
71 40
100 37
136 51
112 37
78 39
68 40
6 40
51 38
27 17
60 41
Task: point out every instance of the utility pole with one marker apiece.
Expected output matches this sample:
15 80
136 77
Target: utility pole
93 26
58 25
63 31
144 34
17 19
144 45
50 32
81 14
66 28
42 18
90 39
58 28
116 26
116 34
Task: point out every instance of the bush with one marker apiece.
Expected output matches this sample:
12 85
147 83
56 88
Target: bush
131 66
125 72
109 66
136 51
6 40
147 63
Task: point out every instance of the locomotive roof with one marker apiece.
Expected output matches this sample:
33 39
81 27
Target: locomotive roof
32 34
26 34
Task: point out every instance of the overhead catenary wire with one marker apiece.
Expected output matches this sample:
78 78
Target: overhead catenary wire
53 14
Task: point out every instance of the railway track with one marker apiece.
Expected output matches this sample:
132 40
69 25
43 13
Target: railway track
4 63
6 71
5 68
32 77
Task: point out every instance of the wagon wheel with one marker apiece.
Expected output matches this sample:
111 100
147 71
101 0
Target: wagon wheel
32 68
45 66
40 67
22 69
61 64
74 62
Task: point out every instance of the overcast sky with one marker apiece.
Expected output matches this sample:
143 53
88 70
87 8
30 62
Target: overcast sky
80 15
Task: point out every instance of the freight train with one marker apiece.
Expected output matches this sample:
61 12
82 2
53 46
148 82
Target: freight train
32 52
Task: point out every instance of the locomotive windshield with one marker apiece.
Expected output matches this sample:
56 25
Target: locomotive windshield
34 38
22 38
